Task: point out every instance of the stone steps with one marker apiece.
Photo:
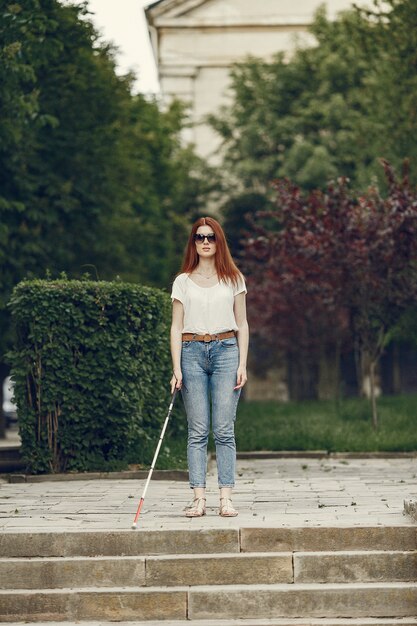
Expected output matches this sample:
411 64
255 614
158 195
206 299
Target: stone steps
324 621
207 541
229 574
212 602
355 566
118 543
303 599
215 569
319 538
11 459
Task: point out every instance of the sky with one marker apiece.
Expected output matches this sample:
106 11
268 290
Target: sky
123 23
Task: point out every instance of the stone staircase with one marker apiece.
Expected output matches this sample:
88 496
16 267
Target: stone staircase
219 577
10 456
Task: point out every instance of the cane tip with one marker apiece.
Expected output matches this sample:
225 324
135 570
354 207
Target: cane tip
134 526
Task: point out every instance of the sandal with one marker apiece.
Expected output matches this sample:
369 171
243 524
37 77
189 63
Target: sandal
226 508
197 508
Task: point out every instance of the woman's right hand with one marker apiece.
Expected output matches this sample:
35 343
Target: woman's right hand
176 380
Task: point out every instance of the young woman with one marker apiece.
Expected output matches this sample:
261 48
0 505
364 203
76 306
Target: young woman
209 346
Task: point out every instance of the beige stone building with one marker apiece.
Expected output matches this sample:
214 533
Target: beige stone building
196 41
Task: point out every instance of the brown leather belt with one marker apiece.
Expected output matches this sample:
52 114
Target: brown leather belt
207 338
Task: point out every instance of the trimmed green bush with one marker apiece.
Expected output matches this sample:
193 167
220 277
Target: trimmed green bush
91 367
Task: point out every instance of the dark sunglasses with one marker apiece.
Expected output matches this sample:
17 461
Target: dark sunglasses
198 238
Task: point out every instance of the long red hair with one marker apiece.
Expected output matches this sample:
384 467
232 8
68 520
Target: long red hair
225 266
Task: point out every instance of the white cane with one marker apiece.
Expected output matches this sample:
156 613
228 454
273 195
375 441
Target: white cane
134 525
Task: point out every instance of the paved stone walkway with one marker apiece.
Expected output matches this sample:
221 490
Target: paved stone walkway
269 492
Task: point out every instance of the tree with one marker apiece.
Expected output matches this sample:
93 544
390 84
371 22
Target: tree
18 109
90 175
387 34
333 109
166 184
335 263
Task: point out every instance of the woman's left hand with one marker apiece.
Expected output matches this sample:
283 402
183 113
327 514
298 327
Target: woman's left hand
241 377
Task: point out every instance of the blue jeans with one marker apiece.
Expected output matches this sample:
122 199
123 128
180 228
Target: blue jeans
209 374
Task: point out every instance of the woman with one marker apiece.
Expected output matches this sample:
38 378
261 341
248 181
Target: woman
209 346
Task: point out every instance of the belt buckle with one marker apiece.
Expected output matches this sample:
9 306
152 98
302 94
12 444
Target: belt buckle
207 338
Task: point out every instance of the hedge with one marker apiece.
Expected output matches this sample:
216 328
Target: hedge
91 367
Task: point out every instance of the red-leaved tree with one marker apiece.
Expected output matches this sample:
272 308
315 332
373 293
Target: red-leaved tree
327 267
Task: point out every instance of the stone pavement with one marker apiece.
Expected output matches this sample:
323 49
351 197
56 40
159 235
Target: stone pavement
282 492
300 621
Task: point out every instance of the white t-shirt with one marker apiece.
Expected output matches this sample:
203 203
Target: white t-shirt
207 309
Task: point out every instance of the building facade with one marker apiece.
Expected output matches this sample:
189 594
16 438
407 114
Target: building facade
195 42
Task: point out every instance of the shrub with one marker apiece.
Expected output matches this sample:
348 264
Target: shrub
91 367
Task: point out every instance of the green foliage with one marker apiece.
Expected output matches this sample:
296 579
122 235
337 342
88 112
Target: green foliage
326 425
333 109
90 174
296 118
387 34
60 171
91 366
173 452
165 184
19 114
238 214
406 328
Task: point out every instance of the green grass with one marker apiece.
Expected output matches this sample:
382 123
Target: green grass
310 425
172 455
326 425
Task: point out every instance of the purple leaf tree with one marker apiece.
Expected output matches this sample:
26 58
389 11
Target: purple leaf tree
328 268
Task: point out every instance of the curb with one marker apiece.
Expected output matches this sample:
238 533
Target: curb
178 475
319 454
182 475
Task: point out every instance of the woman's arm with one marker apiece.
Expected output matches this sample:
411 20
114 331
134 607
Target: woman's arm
242 338
176 343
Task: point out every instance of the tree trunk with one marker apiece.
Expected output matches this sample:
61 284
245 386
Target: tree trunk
359 369
302 377
328 387
373 394
4 371
370 387
396 369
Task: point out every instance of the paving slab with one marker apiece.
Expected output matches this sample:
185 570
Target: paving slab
56 573
272 492
315 600
104 542
350 566
88 603
219 569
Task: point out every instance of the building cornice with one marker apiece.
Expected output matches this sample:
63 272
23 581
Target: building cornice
232 22
175 8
